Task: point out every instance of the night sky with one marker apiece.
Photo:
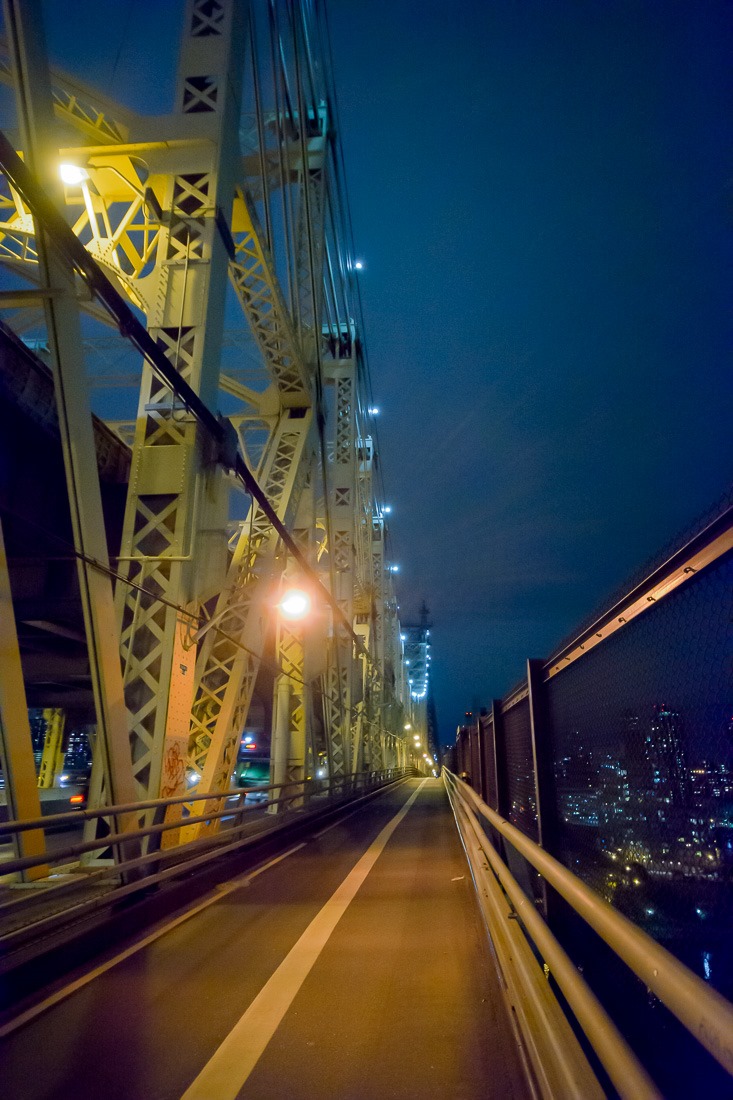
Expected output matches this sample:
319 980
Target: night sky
542 195
542 192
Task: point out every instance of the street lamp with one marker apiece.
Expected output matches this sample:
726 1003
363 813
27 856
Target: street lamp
72 175
294 604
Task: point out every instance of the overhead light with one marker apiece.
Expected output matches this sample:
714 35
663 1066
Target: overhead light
387 509
295 604
394 568
408 725
72 175
359 265
373 410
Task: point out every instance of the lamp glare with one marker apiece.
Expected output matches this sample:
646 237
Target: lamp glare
72 175
295 604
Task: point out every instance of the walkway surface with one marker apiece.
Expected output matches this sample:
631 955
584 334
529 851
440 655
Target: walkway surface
354 967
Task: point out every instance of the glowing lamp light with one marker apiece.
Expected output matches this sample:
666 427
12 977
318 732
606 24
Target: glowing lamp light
408 725
359 265
72 175
295 604
387 509
373 410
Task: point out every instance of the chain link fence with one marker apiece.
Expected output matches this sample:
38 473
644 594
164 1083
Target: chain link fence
620 762
641 736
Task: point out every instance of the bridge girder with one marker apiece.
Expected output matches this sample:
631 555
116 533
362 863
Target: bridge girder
171 216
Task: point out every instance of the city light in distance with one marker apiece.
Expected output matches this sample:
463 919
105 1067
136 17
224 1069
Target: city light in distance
295 604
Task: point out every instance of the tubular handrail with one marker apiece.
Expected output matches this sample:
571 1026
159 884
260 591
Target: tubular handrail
704 1012
195 855
116 839
623 1067
90 813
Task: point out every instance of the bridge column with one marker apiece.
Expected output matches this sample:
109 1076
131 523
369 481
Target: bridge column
174 538
499 752
544 776
343 554
53 747
280 749
16 746
25 31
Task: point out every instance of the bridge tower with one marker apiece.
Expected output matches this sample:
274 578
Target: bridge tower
233 201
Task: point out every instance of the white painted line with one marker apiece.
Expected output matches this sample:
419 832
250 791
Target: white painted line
226 1072
85 979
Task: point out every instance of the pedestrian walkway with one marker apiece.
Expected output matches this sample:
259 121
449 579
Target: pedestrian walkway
357 967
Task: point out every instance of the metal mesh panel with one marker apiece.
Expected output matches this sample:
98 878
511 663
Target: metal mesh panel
462 745
681 539
490 787
474 770
642 737
520 779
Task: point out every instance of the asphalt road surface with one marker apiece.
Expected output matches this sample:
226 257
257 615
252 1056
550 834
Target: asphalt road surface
353 966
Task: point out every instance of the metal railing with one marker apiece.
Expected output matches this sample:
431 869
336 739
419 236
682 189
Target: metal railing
706 1015
124 862
615 756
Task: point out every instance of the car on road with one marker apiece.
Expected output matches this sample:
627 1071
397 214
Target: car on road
253 772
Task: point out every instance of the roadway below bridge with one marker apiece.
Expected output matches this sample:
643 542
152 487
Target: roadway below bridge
352 965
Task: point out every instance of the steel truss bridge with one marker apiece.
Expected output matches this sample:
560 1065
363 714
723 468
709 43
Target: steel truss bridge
212 558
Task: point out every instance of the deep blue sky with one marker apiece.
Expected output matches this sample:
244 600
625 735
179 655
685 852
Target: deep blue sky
543 194
542 191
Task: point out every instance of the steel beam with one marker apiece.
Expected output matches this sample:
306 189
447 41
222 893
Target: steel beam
24 25
19 769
